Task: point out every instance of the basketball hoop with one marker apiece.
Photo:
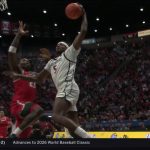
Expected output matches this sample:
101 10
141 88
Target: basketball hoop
3 5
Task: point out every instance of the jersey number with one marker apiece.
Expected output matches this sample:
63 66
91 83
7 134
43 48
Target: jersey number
32 84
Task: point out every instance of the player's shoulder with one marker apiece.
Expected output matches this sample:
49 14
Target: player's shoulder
51 60
72 48
50 63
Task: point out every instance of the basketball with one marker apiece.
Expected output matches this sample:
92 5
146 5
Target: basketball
73 11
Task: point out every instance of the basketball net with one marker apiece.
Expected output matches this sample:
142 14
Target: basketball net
3 5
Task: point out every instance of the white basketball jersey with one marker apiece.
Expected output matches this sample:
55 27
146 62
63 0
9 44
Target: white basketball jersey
62 69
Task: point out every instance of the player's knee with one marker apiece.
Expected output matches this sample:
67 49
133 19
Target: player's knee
37 109
40 111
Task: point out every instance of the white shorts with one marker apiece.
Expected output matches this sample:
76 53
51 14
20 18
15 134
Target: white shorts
70 95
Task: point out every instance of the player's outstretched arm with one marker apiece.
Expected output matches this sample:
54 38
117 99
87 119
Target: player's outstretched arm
38 78
12 57
84 26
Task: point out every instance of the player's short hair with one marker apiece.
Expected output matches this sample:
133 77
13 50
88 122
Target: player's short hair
64 43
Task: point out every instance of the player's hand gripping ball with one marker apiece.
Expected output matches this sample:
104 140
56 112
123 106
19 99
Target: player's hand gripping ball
74 11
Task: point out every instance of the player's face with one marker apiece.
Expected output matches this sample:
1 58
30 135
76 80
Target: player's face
60 48
25 64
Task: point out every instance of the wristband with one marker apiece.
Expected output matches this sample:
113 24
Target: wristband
12 49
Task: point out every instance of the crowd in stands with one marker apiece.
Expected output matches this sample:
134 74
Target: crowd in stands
114 87
125 97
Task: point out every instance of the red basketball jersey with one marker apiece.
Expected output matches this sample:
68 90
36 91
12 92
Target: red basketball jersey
24 90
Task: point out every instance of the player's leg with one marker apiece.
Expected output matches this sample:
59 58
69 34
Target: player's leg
26 132
73 115
30 113
61 106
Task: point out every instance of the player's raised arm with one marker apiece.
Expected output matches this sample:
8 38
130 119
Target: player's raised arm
12 57
84 26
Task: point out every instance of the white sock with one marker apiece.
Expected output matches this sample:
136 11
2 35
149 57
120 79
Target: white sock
82 133
67 133
17 131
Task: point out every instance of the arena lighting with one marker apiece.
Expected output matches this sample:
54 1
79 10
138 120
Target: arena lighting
78 32
49 116
32 36
44 11
0 36
9 14
63 34
143 22
127 25
110 28
55 24
95 30
141 9
97 19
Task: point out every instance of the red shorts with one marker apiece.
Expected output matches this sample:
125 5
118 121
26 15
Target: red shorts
16 109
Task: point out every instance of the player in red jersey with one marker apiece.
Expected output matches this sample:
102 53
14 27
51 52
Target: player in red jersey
5 123
23 106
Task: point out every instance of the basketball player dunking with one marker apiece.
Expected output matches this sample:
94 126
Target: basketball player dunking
62 70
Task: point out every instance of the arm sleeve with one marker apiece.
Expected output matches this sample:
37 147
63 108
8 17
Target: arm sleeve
71 53
48 66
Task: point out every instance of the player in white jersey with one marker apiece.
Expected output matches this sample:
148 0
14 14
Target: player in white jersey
62 70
